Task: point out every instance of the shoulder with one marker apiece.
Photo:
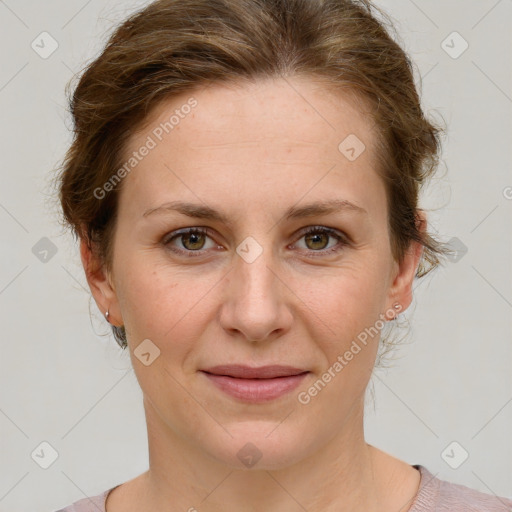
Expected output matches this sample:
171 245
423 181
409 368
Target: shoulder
96 503
439 495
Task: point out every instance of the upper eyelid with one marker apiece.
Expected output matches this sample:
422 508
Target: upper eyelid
301 232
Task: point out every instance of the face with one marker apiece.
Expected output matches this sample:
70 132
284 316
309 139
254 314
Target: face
288 263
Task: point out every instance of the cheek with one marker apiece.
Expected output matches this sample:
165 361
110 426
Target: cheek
345 300
163 304
166 308
348 335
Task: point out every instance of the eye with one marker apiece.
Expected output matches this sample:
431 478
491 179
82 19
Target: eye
192 240
316 239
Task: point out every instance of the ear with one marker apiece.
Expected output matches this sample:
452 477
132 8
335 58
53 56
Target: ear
401 288
100 284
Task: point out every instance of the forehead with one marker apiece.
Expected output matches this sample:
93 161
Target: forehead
285 137
307 108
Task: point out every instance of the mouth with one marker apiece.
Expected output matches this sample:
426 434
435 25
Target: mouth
247 372
255 385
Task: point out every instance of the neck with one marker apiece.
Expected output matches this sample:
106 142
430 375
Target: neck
338 475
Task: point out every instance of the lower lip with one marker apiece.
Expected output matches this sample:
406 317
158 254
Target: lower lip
256 390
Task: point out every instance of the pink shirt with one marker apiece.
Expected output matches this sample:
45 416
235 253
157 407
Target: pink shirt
434 495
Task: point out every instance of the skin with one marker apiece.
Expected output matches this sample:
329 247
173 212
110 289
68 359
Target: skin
252 151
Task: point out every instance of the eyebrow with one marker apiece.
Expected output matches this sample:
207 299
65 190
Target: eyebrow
315 209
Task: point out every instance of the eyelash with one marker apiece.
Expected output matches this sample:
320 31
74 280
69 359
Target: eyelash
342 240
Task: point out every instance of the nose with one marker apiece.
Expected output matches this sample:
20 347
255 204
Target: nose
255 303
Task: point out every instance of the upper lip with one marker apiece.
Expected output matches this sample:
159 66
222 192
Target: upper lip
261 372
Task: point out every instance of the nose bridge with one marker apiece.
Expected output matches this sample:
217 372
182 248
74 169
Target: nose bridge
253 266
253 298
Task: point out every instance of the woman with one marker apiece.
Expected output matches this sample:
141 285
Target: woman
244 182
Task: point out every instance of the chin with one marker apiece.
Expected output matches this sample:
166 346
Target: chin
260 445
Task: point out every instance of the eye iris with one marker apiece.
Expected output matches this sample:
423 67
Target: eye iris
193 238
314 237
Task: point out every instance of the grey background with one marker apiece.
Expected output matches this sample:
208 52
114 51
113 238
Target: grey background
63 379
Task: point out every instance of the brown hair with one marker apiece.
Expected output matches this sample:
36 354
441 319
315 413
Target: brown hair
174 46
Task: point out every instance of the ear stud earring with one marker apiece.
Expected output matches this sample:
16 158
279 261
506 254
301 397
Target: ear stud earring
396 306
